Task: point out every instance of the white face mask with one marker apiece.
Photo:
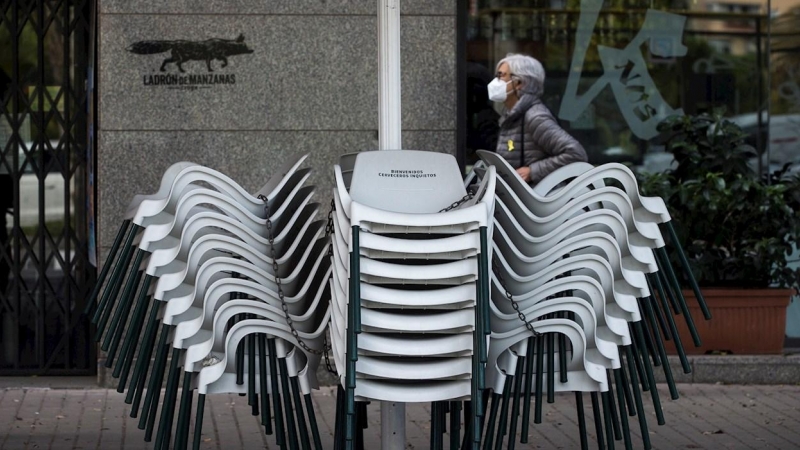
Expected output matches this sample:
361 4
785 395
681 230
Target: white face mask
497 90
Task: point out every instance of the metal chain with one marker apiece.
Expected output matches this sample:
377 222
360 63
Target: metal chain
329 230
514 304
275 267
455 205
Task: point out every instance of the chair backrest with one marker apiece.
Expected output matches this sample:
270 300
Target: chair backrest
406 181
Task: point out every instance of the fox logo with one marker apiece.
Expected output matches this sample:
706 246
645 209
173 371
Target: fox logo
183 51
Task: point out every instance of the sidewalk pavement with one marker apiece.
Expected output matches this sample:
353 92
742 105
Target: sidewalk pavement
705 417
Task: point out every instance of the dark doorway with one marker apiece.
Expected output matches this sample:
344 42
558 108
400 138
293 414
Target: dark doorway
45 165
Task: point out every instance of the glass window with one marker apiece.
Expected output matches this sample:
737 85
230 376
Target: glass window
616 68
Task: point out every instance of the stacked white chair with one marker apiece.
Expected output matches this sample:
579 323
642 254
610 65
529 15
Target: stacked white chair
574 248
242 293
477 302
410 265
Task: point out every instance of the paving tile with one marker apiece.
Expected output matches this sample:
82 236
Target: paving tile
705 417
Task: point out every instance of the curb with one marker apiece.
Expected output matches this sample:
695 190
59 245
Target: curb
735 369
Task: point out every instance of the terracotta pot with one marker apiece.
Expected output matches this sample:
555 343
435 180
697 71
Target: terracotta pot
743 321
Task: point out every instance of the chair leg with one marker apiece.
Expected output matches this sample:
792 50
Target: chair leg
266 415
612 408
637 395
581 421
110 295
501 429
92 300
198 421
184 413
526 404
673 390
287 405
312 420
136 387
537 418
123 310
455 425
607 419
512 432
626 388
119 269
551 368
671 322
489 435
147 421
252 395
662 257
688 270
280 436
123 366
626 432
598 421
170 397
298 410
637 327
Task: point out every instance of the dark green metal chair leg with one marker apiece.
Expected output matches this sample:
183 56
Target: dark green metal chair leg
512 432
612 408
136 388
92 300
120 317
198 421
562 358
266 415
154 387
673 390
688 270
184 413
280 434
170 397
489 436
598 421
501 428
355 268
581 421
637 395
537 417
252 395
551 366
678 295
123 365
312 421
110 300
338 434
673 329
608 420
637 327
291 429
240 357
298 410
119 271
626 431
626 389
526 404
455 425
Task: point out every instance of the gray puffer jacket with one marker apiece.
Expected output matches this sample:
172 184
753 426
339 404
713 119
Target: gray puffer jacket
546 145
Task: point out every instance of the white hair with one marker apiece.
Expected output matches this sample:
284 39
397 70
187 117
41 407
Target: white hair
527 69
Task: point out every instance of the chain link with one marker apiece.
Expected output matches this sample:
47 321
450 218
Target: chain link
329 230
281 296
514 304
455 205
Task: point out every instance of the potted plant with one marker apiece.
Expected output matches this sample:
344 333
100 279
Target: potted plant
737 229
